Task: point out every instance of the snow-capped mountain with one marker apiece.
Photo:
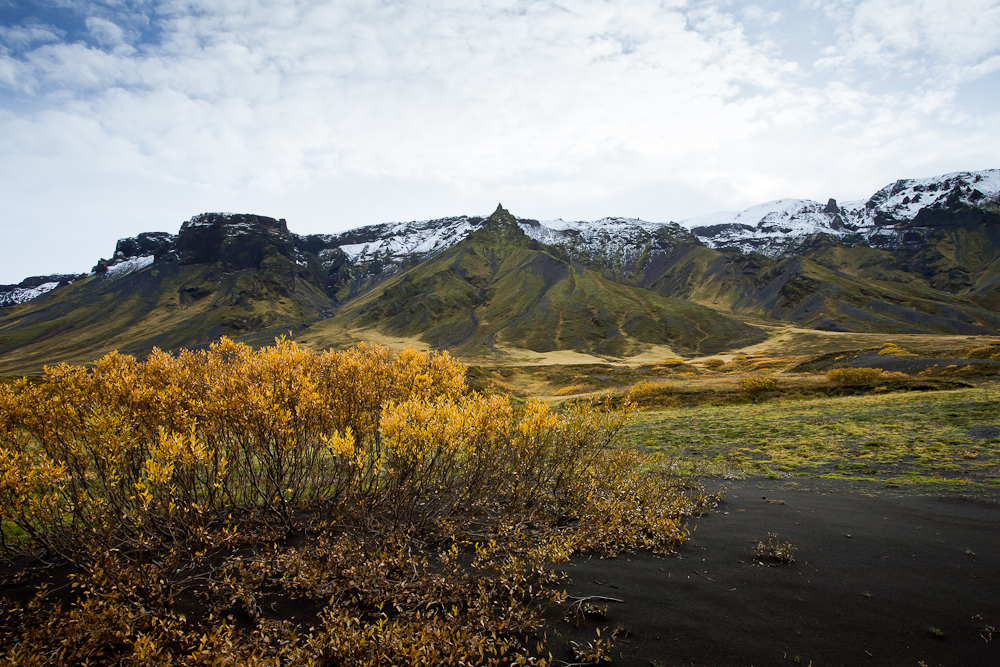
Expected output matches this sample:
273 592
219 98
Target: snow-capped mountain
779 227
900 214
394 241
919 256
771 228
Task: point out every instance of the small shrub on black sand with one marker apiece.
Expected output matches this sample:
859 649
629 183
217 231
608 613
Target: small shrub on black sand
892 349
595 652
773 548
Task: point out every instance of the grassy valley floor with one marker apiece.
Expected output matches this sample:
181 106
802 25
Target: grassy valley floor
943 441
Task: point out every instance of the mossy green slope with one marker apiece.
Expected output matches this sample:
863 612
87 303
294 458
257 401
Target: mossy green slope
500 288
166 305
947 285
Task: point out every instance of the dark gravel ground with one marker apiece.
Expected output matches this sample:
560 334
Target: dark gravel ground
877 579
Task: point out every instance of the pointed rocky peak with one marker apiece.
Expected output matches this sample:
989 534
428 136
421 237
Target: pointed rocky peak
501 225
503 216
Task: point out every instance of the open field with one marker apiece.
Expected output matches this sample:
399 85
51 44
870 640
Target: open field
928 440
782 340
929 421
791 341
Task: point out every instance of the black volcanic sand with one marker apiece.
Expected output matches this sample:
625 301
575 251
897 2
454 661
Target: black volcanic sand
876 580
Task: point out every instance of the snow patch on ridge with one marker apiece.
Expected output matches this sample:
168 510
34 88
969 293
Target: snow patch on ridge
789 216
422 237
122 269
22 294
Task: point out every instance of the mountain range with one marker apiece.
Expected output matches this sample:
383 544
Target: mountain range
918 256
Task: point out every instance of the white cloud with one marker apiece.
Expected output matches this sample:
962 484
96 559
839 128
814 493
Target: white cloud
105 32
346 113
22 36
758 14
945 41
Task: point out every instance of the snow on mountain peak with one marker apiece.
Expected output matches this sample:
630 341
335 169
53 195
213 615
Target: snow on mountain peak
773 228
779 226
902 200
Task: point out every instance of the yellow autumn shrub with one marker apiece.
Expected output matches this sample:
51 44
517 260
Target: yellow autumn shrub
360 477
757 385
861 376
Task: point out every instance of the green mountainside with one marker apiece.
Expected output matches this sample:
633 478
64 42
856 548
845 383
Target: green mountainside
490 287
500 288
166 305
948 283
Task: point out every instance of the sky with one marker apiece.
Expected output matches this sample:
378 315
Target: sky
123 116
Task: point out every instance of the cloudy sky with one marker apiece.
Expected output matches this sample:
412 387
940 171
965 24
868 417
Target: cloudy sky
122 116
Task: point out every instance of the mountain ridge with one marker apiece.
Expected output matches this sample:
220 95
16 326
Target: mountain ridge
921 255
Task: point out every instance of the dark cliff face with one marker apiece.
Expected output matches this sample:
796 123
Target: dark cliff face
238 241
158 244
954 213
35 281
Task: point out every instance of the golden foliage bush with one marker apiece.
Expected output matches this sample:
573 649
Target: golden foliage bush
415 516
645 389
862 376
894 350
984 352
757 385
126 449
714 363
